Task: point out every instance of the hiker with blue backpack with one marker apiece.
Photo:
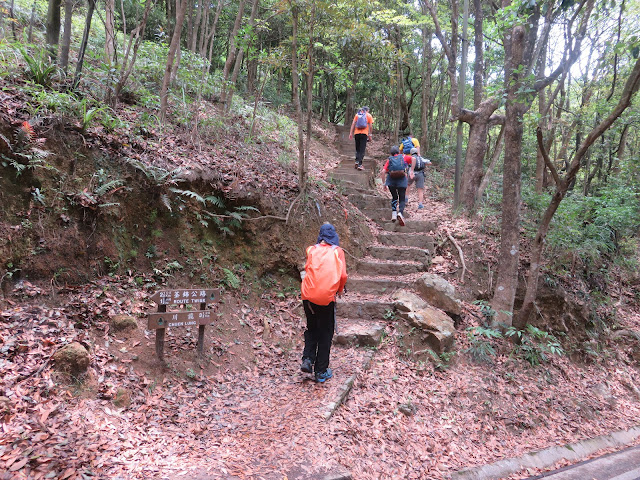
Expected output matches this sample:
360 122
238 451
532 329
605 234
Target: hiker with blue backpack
361 129
419 165
408 143
398 169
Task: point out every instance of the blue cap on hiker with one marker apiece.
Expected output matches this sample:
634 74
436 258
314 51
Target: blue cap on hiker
328 234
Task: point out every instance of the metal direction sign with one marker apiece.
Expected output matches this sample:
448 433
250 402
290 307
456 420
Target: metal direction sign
179 319
186 296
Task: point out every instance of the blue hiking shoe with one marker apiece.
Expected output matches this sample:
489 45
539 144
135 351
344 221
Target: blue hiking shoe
306 366
324 376
420 206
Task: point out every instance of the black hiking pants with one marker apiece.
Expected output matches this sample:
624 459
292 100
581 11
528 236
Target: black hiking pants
361 146
398 196
319 333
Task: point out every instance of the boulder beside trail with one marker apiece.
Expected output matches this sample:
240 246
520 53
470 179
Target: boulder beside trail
439 293
72 359
123 323
436 326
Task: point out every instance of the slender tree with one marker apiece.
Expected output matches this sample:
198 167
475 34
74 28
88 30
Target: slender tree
53 26
181 8
66 36
91 5
562 186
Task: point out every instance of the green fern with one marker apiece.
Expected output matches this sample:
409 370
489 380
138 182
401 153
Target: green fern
215 201
108 187
189 193
247 208
230 279
164 199
158 175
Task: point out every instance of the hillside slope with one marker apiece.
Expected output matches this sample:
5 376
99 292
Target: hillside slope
72 262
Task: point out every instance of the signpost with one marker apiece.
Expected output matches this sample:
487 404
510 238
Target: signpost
162 320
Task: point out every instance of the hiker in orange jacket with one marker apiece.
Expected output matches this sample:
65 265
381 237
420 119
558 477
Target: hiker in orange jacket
362 134
325 276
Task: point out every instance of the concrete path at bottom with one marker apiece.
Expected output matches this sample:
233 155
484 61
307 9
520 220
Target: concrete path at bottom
624 465
549 456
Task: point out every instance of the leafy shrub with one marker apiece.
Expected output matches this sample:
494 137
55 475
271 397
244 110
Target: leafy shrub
594 226
40 67
481 348
535 345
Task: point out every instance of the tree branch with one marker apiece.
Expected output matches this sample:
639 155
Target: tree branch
546 158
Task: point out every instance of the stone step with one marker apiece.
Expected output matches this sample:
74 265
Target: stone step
411 226
348 187
407 240
377 214
358 332
374 285
348 168
372 267
411 254
363 309
361 179
369 201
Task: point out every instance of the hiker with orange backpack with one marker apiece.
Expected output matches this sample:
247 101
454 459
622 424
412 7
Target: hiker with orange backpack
325 275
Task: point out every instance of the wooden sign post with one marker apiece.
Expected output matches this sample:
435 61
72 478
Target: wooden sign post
162 320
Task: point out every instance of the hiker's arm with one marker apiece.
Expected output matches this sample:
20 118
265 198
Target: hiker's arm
343 273
412 167
353 126
384 171
370 125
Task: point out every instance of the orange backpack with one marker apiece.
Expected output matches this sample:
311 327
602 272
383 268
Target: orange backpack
323 272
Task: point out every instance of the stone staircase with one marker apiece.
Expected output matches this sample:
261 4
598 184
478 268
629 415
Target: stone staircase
399 256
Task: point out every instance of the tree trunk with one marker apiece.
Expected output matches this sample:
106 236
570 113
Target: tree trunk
350 110
489 172
232 51
252 75
214 27
53 27
110 32
462 82
240 55
85 41
310 75
479 120
302 181
397 111
135 38
191 31
31 21
66 36
195 29
478 63
181 7
507 279
176 65
204 30
425 105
